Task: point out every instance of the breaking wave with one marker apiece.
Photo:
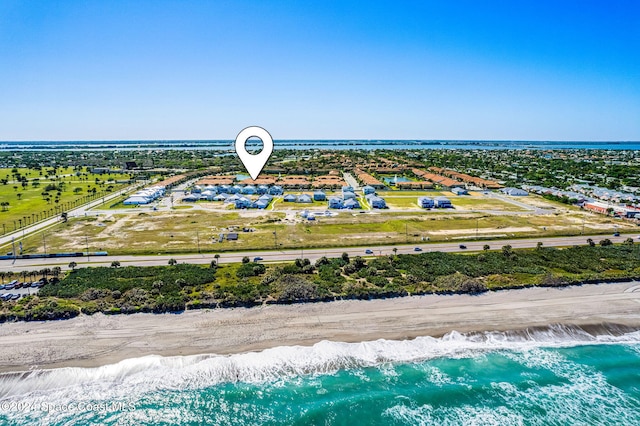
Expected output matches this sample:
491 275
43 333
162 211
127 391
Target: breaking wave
135 376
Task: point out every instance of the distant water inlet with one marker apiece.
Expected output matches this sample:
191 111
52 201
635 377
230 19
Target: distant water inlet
226 146
555 375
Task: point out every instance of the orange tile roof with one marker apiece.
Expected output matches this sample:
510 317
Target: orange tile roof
170 180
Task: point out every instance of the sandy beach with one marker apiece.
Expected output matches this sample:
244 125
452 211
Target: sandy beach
88 341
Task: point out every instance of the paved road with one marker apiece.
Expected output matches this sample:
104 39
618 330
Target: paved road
78 211
312 254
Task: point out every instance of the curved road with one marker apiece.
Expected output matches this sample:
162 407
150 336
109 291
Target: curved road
311 254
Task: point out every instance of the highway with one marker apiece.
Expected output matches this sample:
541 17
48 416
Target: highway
311 254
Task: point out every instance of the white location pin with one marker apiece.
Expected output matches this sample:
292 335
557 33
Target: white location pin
254 163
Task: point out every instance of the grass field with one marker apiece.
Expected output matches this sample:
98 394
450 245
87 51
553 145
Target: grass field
478 203
181 230
28 204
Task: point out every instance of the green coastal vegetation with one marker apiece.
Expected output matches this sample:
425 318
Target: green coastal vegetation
176 287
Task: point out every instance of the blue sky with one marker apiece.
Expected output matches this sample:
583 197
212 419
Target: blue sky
532 70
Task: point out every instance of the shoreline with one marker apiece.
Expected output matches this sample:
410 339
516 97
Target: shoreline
92 341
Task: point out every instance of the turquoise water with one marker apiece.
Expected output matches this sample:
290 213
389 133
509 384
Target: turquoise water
560 376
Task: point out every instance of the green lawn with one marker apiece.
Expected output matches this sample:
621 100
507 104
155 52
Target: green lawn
28 204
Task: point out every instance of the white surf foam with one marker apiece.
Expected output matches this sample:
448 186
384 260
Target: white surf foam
133 377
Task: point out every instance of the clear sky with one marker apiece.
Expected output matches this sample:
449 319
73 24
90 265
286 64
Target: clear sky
110 69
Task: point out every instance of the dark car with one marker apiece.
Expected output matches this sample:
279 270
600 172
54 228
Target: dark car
462 246
616 234
417 249
257 258
36 284
15 297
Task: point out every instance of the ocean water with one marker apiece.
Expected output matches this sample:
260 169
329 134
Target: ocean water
553 376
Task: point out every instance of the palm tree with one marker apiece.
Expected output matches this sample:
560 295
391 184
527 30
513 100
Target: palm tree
486 247
56 271
591 242
217 258
115 264
395 251
172 262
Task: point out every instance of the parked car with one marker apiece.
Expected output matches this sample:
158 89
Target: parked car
9 286
417 249
18 285
1 286
36 284
616 234
15 296
6 297
462 246
368 251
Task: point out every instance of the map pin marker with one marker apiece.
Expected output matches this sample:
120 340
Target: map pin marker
254 163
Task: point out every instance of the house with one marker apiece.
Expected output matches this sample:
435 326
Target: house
377 203
319 196
335 203
426 202
266 198
243 203
276 190
233 198
351 204
348 195
261 204
226 189
136 199
514 192
459 191
368 190
221 197
249 190
208 195
262 189
290 198
443 203
237 189
304 198
347 189
191 198
196 189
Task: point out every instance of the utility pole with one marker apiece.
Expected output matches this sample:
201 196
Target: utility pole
44 242
198 240
406 232
86 240
477 219
275 238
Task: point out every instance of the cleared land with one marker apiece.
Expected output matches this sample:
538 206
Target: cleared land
184 230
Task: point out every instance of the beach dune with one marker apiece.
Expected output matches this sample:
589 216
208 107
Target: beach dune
89 341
